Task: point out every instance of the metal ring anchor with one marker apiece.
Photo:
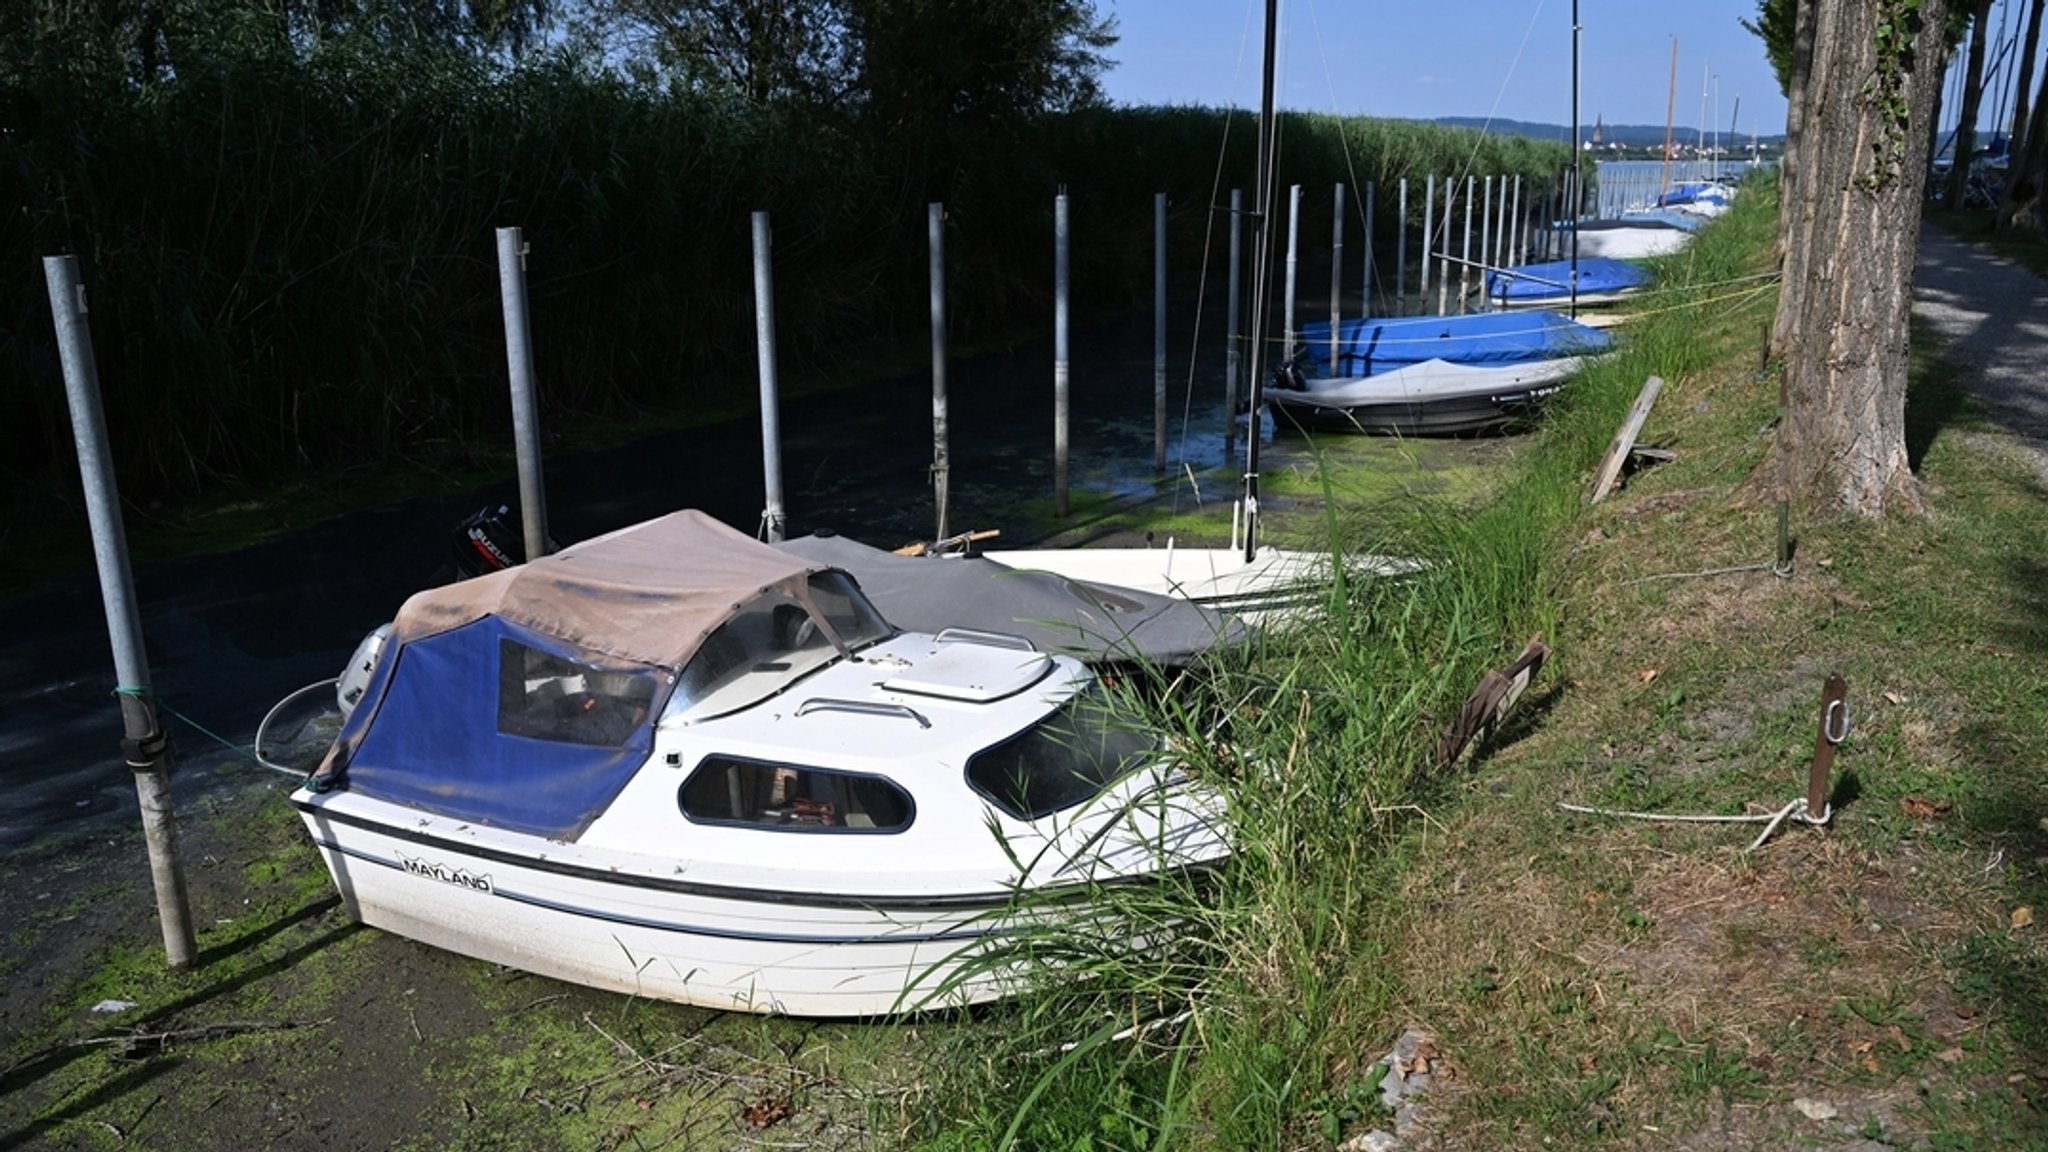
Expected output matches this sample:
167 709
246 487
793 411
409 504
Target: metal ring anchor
1834 723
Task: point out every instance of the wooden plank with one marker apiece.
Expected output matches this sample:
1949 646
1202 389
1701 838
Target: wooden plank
1617 452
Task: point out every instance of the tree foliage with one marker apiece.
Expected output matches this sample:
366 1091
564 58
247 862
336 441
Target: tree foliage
1776 25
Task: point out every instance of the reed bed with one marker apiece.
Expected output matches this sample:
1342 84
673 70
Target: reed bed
289 249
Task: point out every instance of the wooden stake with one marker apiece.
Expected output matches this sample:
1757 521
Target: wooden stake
1610 465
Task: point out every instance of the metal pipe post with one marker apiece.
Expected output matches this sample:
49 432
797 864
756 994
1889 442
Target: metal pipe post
533 509
1443 264
1401 251
1059 354
1428 231
1486 245
935 230
144 745
1293 251
1232 367
1336 273
772 519
1519 246
1465 252
1159 331
1365 279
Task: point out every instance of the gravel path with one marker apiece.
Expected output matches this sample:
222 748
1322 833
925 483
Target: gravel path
1994 314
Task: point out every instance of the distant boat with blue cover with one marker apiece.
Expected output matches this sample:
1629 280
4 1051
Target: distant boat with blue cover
1601 280
1430 375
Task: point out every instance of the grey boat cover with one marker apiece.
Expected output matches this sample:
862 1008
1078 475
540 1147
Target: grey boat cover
1093 623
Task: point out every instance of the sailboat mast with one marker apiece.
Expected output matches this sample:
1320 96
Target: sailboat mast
1262 262
1578 177
1670 109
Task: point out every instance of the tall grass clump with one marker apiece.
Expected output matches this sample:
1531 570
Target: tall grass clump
1324 736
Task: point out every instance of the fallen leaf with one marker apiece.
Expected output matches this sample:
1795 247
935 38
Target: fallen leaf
1870 1064
1892 697
1949 1055
1898 1036
1647 675
1921 808
2022 916
769 1112
1862 1047
1586 1064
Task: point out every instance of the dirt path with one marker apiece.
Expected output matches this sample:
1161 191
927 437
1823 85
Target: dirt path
1994 315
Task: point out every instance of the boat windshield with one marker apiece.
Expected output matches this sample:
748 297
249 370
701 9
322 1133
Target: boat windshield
773 642
1065 760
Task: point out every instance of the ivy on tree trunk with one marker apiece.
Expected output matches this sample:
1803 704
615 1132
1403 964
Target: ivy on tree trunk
1852 241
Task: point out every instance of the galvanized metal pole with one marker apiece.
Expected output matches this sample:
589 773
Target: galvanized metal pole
1232 367
533 509
1401 251
1159 331
1485 245
1293 251
1059 354
772 519
1428 234
1465 252
1365 278
144 745
1500 227
935 231
1443 264
1336 273
1517 245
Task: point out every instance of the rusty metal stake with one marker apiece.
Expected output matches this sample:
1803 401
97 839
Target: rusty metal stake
1834 728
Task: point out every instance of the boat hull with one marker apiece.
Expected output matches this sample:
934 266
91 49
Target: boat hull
1430 399
665 938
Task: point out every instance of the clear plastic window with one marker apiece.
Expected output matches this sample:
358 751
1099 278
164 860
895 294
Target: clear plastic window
724 790
1066 760
771 643
547 697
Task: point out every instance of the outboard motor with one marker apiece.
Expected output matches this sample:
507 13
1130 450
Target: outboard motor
489 540
1287 374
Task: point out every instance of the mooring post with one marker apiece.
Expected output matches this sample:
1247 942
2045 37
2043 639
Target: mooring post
1486 246
1293 252
533 509
144 745
1465 252
1518 248
772 519
1336 273
935 230
1428 238
1159 331
1059 354
1365 278
1234 334
1401 250
1443 262
1500 227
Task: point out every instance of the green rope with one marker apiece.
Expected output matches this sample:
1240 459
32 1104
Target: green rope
155 701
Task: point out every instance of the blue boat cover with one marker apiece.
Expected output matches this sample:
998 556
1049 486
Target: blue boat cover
1550 280
504 726
1371 347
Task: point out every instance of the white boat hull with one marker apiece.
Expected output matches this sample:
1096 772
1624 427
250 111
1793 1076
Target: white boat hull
610 922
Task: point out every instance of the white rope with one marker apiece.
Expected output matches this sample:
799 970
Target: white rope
1795 810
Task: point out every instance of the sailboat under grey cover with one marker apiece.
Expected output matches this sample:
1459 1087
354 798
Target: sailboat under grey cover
1093 623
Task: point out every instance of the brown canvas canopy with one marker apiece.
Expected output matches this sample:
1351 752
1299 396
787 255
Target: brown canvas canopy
649 593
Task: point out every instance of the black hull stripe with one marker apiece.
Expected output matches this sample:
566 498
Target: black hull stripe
948 936
976 902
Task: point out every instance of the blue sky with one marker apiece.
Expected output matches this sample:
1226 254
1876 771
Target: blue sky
1402 58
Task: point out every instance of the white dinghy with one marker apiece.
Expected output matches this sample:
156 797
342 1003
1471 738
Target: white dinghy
678 763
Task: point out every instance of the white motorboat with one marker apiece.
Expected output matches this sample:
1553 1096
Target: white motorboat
677 763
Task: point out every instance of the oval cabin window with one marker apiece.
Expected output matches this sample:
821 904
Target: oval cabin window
766 794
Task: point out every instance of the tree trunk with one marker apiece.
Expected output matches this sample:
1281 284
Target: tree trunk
1793 257
1973 100
2032 44
2021 209
1862 168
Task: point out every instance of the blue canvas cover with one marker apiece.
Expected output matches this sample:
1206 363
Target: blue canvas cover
504 726
1551 280
1371 347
